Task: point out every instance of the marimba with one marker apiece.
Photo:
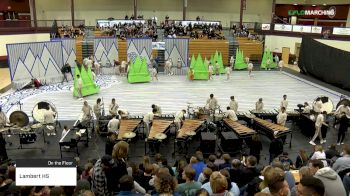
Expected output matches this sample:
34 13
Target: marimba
157 134
158 126
189 128
164 117
240 130
272 130
127 126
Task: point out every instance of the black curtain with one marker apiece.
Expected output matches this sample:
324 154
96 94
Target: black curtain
324 62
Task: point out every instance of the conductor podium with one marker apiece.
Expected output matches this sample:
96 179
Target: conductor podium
89 85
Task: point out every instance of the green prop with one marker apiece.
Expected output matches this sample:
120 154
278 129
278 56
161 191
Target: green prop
89 85
138 71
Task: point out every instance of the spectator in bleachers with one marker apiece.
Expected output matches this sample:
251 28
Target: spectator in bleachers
226 164
100 172
190 187
343 162
200 165
302 159
249 172
165 184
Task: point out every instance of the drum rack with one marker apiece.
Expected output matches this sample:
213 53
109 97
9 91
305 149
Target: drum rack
21 144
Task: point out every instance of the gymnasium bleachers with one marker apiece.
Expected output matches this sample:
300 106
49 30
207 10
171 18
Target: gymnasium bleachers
251 48
208 47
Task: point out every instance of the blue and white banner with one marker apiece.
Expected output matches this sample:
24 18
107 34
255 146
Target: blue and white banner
68 50
139 47
177 49
42 60
105 50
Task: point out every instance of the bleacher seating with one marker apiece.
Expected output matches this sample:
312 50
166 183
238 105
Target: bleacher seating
251 48
208 47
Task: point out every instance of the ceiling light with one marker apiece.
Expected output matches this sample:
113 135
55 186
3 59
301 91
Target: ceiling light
324 4
295 4
313 5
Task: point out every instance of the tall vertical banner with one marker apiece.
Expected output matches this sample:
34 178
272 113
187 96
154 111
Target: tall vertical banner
42 60
139 47
68 50
105 50
176 49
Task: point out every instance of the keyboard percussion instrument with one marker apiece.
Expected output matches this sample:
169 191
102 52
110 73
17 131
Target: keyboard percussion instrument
189 128
158 126
127 128
270 129
240 130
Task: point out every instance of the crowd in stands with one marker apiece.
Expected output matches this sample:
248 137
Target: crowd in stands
323 173
134 30
196 31
71 32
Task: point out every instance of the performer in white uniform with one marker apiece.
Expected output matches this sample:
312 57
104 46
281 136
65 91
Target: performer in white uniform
113 107
158 109
179 118
147 119
98 109
211 71
284 102
217 68
87 112
307 108
318 124
259 105
228 72
154 73
123 68
281 64
49 120
232 61
3 118
233 104
247 59
79 86
282 117
113 125
230 114
250 69
212 103
318 105
168 67
342 108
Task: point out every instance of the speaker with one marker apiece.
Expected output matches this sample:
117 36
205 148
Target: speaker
230 142
208 141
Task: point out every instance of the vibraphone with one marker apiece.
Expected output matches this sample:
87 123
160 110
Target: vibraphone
265 114
165 117
157 134
127 126
240 130
187 131
272 130
72 138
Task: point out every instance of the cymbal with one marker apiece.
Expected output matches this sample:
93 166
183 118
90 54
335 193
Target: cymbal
160 136
129 135
36 126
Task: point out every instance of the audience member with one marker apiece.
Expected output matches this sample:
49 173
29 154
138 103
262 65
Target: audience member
319 154
343 162
249 172
332 152
190 187
311 186
226 164
255 147
331 180
200 165
126 186
302 159
165 184
101 169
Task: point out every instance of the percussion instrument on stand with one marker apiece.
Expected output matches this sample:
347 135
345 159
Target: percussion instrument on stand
327 104
38 114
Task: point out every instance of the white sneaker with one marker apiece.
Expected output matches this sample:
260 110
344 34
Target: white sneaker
338 144
342 143
312 143
53 133
323 141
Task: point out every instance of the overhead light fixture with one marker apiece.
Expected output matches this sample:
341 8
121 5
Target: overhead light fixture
295 4
324 4
313 5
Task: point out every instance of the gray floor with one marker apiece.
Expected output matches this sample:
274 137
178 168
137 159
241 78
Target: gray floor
172 93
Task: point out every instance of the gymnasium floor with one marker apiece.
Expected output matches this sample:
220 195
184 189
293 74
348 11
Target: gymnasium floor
172 93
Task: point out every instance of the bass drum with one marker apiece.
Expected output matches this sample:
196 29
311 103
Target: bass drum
19 118
343 102
327 104
40 108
